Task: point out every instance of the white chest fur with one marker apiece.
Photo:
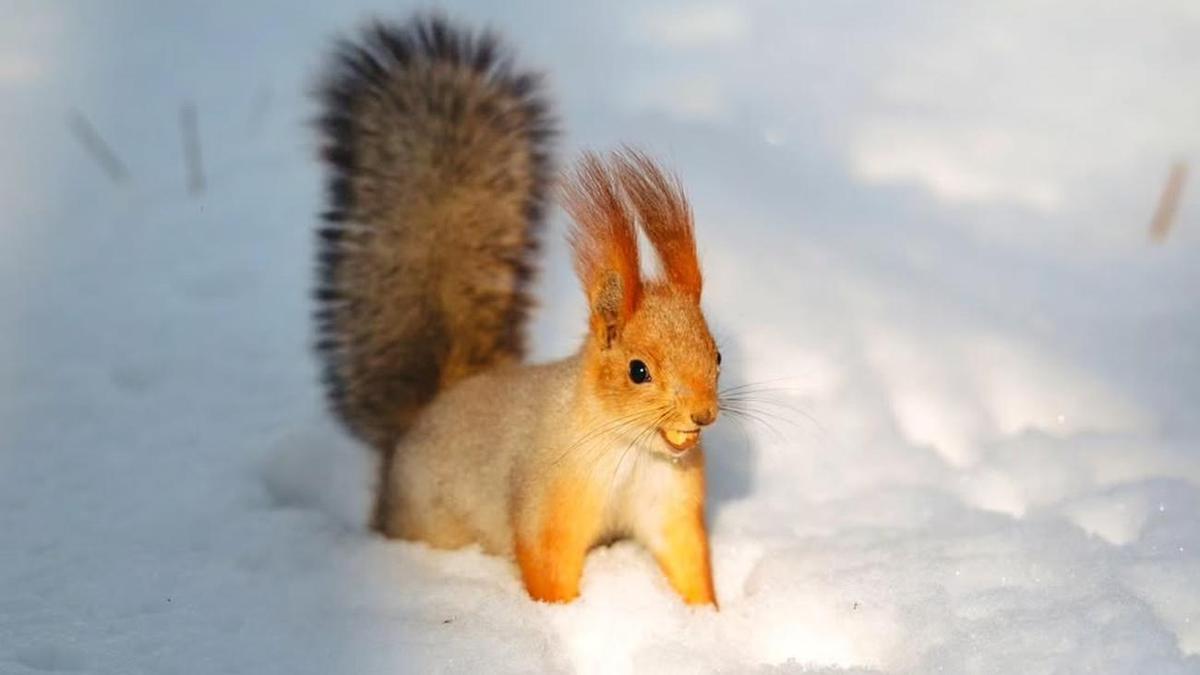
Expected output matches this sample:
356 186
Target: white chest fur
642 481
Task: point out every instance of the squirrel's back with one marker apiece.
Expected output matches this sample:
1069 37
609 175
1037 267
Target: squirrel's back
438 163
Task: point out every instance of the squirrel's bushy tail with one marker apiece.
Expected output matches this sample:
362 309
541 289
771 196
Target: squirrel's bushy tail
438 162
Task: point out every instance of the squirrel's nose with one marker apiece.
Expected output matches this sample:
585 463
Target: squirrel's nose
704 417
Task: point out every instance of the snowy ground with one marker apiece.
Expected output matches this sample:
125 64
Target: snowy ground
927 222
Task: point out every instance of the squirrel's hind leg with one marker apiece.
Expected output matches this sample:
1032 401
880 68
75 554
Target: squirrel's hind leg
411 509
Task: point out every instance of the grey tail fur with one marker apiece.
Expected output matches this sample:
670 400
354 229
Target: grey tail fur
437 161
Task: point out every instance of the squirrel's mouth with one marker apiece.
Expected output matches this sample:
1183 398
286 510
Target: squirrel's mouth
681 440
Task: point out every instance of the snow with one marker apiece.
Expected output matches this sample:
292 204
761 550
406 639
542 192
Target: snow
923 228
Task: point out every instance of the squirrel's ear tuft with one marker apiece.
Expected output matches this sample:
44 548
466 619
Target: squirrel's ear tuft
665 216
605 245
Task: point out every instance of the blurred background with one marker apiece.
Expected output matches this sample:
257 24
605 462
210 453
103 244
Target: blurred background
957 242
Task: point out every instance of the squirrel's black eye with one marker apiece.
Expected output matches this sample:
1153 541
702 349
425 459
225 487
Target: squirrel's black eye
638 372
718 358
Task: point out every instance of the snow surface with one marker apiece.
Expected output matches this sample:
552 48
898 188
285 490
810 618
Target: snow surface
924 224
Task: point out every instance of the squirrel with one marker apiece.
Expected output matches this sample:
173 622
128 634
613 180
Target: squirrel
438 158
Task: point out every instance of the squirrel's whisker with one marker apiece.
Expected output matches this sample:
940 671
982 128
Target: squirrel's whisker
751 400
615 425
754 416
740 422
637 440
759 383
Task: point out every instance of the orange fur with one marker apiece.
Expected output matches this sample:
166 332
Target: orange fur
684 556
665 216
663 327
604 242
552 553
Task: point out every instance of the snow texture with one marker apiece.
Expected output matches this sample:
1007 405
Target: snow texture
923 226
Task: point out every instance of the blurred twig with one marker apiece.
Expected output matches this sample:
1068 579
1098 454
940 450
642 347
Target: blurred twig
90 139
1168 203
190 127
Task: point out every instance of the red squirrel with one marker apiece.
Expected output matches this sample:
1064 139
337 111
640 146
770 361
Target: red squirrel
438 158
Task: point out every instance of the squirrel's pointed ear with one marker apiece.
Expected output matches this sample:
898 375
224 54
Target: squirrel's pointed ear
605 245
608 308
665 216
